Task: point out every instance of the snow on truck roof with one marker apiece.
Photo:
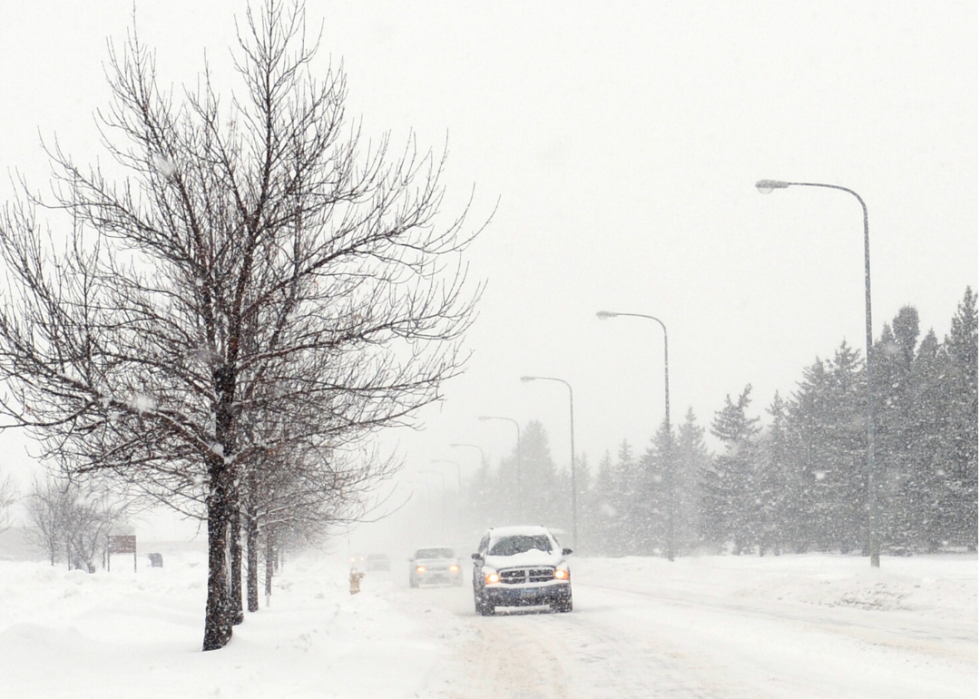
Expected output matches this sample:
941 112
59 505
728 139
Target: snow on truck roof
519 530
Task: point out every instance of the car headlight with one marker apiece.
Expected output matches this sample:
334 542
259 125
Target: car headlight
492 577
419 569
454 569
561 574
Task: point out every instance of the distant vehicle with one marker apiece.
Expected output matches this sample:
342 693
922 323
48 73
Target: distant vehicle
377 561
436 565
357 561
518 567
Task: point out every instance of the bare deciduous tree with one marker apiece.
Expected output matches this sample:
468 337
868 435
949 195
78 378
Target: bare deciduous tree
8 496
46 507
258 267
68 522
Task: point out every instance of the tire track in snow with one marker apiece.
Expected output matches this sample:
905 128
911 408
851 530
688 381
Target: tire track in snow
574 656
512 661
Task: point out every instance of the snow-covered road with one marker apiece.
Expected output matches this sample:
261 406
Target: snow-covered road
671 642
721 627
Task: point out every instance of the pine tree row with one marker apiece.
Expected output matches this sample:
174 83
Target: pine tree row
798 483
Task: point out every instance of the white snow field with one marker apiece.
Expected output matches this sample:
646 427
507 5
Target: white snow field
720 627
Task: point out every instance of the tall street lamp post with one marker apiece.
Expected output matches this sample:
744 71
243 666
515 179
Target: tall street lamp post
443 479
571 415
520 490
874 545
483 457
669 471
419 504
483 460
459 489
459 478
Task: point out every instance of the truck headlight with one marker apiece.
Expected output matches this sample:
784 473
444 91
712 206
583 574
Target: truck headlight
492 578
561 574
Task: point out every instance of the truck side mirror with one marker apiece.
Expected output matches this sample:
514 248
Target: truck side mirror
476 557
566 552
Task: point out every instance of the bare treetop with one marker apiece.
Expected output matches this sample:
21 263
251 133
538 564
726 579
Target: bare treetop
258 283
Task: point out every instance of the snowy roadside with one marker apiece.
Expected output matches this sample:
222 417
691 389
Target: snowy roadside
938 586
123 634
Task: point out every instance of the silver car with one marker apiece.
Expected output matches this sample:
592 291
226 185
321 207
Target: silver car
435 565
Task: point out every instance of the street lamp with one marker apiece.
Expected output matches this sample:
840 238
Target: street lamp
459 478
874 546
483 457
443 479
459 488
602 315
422 506
520 493
571 415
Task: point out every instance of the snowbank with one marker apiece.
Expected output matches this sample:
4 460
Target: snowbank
941 586
126 633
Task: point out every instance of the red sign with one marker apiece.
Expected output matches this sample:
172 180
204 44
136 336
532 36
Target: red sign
122 544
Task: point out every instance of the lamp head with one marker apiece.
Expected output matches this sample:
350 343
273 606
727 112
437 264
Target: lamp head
766 186
602 315
525 379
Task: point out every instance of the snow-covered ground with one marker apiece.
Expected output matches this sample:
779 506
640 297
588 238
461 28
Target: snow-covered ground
787 627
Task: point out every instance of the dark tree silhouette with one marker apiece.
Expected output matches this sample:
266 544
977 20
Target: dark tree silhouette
257 293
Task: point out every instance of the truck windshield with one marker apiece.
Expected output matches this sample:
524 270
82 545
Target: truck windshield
510 545
434 553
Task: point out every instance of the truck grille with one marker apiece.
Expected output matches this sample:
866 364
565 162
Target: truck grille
522 576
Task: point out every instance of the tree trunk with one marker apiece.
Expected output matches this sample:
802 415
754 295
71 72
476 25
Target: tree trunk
269 563
252 537
238 615
218 615
222 505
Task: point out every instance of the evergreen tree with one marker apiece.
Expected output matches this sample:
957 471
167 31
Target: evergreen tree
804 426
771 480
653 500
729 499
924 489
583 494
544 501
828 429
511 492
626 487
481 492
849 463
691 458
895 429
602 513
960 439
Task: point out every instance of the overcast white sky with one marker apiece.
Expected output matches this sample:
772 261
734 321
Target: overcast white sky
623 140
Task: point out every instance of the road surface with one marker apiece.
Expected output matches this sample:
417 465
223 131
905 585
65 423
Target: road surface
665 642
